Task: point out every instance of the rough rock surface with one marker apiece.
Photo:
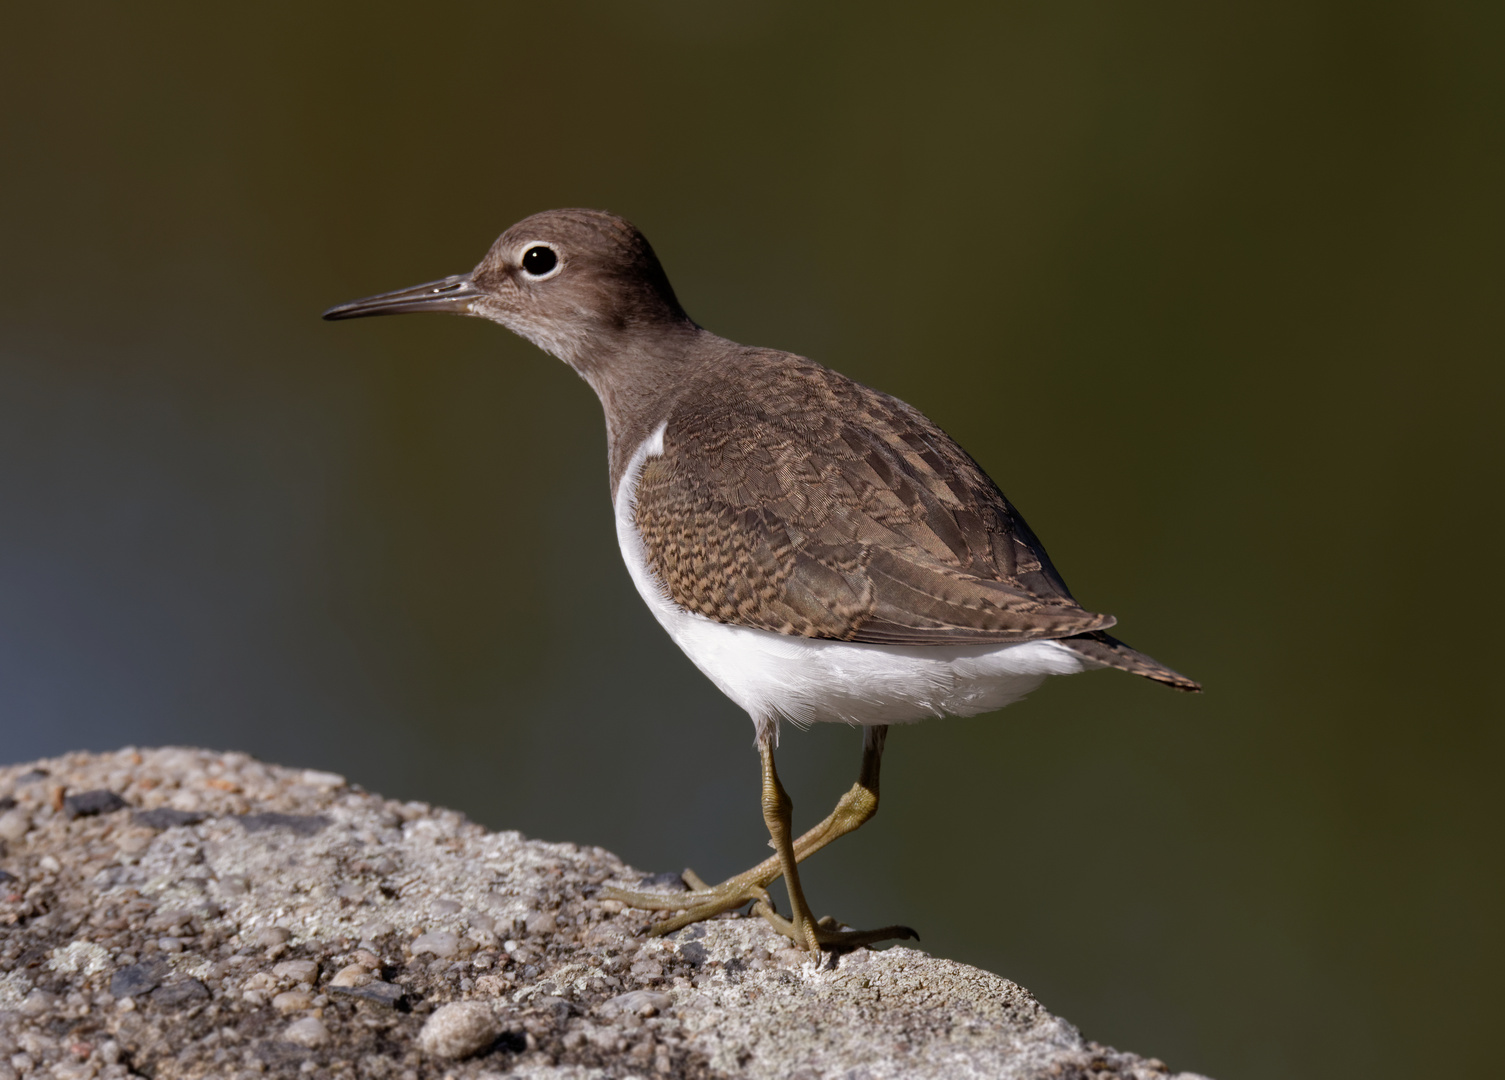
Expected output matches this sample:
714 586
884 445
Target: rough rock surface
180 913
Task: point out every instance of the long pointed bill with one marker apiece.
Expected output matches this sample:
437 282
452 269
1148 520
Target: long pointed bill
454 293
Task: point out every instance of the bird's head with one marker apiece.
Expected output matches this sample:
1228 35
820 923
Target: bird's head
576 283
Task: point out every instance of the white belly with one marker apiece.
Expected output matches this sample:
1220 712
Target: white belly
807 680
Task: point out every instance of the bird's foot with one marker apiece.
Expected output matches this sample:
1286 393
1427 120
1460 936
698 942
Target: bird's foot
704 901
825 933
701 902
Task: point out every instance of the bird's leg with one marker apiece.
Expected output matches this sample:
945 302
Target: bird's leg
801 927
704 901
854 808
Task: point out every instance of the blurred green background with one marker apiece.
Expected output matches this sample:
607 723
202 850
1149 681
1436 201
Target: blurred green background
1213 291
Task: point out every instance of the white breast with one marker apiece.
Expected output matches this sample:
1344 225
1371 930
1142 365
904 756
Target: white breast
780 677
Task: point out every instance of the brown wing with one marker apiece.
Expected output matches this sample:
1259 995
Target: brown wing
791 499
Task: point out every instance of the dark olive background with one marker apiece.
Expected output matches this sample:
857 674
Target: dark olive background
1213 292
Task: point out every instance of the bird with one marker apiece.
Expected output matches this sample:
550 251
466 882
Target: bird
821 551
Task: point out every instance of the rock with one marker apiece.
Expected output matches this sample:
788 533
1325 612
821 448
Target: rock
351 975
648 970
290 1001
636 1003
269 937
441 944
521 969
164 817
298 824
137 979
88 803
309 1032
298 971
39 1003
375 929
459 1030
179 994
14 824
381 993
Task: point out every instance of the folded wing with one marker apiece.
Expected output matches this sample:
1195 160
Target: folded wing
797 501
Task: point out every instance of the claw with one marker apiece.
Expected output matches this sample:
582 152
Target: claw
823 935
706 902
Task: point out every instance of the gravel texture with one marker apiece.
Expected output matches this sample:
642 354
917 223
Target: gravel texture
181 913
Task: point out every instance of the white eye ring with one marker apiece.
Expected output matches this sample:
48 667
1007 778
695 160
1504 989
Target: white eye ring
551 263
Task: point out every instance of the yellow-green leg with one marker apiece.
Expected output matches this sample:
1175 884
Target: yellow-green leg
854 808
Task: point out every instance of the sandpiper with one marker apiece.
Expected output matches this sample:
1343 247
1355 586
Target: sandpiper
820 550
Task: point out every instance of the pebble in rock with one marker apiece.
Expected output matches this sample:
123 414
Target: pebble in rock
14 824
351 975
165 817
459 1029
320 779
382 993
309 1032
647 970
298 824
269 936
88 803
440 943
138 979
180 994
291 1001
637 1003
298 971
375 929
39 1003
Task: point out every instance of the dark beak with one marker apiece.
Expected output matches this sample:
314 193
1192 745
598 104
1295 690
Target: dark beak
454 293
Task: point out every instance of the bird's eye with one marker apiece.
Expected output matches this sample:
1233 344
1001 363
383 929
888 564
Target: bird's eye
539 260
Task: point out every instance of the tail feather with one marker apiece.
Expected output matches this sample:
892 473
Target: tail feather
1108 650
